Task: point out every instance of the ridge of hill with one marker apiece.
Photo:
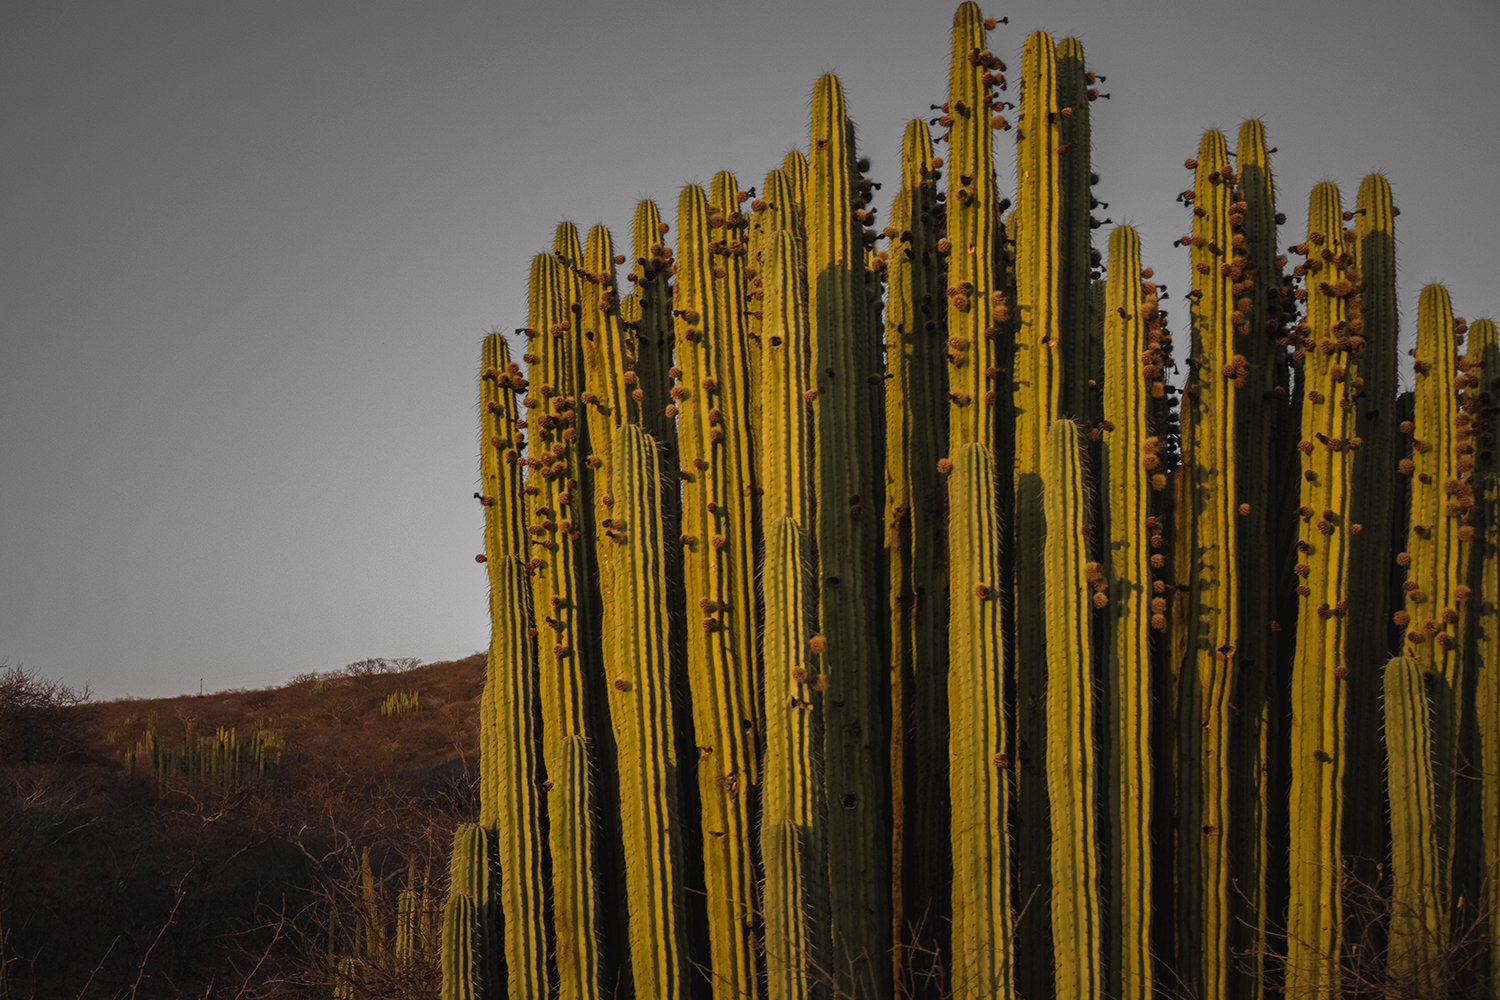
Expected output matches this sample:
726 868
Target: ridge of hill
258 839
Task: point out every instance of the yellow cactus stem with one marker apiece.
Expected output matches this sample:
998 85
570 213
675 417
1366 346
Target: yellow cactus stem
1207 677
1319 741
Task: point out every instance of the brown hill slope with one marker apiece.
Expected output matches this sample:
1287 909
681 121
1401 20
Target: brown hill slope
197 875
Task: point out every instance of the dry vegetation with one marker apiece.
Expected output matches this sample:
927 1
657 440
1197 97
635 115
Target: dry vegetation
228 887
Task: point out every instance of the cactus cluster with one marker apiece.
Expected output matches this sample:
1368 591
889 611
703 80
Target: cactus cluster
889 610
222 758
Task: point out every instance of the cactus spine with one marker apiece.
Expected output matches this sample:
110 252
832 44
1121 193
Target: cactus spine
1071 770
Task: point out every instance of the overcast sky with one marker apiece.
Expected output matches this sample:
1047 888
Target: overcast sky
250 249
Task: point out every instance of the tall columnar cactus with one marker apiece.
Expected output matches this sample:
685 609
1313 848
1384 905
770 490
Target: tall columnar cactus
1261 407
979 764
510 766
916 431
468 962
640 702
1371 241
561 573
794 900
1480 610
854 757
1076 398
1440 499
880 465
1133 367
1072 772
712 437
1330 365
1419 909
1216 370
1036 379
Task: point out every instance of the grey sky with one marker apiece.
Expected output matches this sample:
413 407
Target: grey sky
249 250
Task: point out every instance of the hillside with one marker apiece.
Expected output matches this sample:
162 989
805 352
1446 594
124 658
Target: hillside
205 868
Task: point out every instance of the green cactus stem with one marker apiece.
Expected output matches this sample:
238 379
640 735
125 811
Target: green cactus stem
1329 362
916 429
1434 560
1373 504
854 754
1035 398
1133 366
640 693
510 766
561 568
794 900
1261 409
1419 912
716 543
1071 768
1207 675
978 761
1074 231
1480 617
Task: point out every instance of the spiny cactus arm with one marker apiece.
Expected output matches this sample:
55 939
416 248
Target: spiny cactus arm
784 378
1035 396
565 245
609 355
574 898
1207 678
979 766
458 955
1262 406
1371 241
1071 767
795 166
508 743
973 232
467 956
1419 914
1131 364
792 841
651 320
560 565
1320 668
791 834
1440 500
711 435
1036 231
1074 231
854 759
640 700
916 338
793 948
1480 615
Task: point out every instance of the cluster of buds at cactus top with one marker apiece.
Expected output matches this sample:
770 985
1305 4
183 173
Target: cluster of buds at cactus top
867 601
